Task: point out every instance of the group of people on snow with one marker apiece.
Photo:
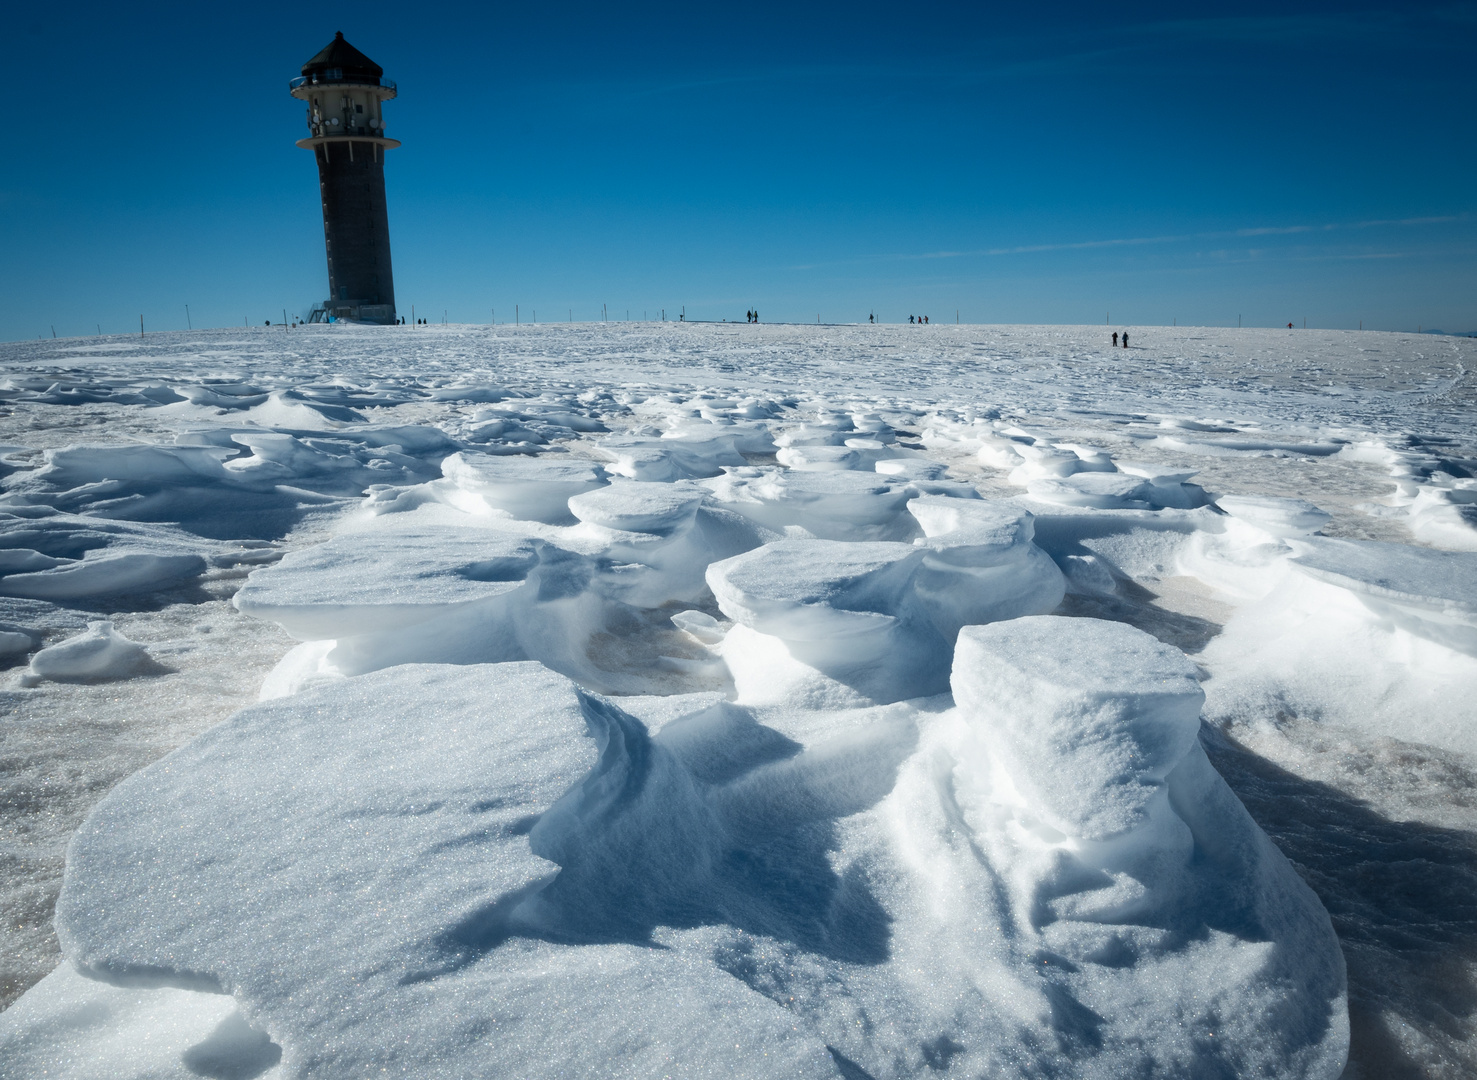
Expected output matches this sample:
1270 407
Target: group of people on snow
921 320
753 315
1115 339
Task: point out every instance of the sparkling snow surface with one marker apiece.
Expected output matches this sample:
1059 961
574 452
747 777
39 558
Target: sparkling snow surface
723 700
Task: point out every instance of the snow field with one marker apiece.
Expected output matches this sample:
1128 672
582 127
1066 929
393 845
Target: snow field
855 802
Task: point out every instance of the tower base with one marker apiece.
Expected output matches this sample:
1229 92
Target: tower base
354 311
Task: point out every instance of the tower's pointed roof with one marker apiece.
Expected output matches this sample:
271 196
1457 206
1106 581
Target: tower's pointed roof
349 63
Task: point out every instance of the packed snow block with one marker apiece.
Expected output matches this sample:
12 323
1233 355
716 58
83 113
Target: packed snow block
913 469
471 392
1137 544
1244 554
98 653
1086 716
843 505
1042 460
14 642
293 409
1172 938
1104 491
668 459
222 395
981 565
821 618
526 488
359 868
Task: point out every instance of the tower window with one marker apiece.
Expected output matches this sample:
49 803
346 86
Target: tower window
359 108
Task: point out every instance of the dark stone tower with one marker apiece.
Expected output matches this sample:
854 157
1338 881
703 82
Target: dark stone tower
345 93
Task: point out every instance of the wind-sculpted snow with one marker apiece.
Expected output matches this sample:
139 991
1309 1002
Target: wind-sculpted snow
489 834
901 772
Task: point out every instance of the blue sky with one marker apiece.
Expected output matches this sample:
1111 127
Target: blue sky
1017 164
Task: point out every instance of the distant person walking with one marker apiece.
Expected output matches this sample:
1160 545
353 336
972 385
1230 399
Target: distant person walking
1125 339
910 320
1115 339
925 318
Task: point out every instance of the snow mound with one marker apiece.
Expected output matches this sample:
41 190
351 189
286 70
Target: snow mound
99 652
845 612
667 459
875 621
105 575
1275 516
832 505
638 506
981 565
1361 634
394 575
526 488
421 801
72 1026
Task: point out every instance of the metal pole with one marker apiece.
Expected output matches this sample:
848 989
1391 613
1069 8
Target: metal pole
188 323
140 326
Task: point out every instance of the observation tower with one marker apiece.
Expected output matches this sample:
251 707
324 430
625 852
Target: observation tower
345 92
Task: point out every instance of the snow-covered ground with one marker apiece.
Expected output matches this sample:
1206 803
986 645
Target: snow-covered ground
663 699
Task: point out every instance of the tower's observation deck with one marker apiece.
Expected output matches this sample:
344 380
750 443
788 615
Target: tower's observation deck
345 92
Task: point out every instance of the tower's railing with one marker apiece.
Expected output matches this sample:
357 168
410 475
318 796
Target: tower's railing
314 80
